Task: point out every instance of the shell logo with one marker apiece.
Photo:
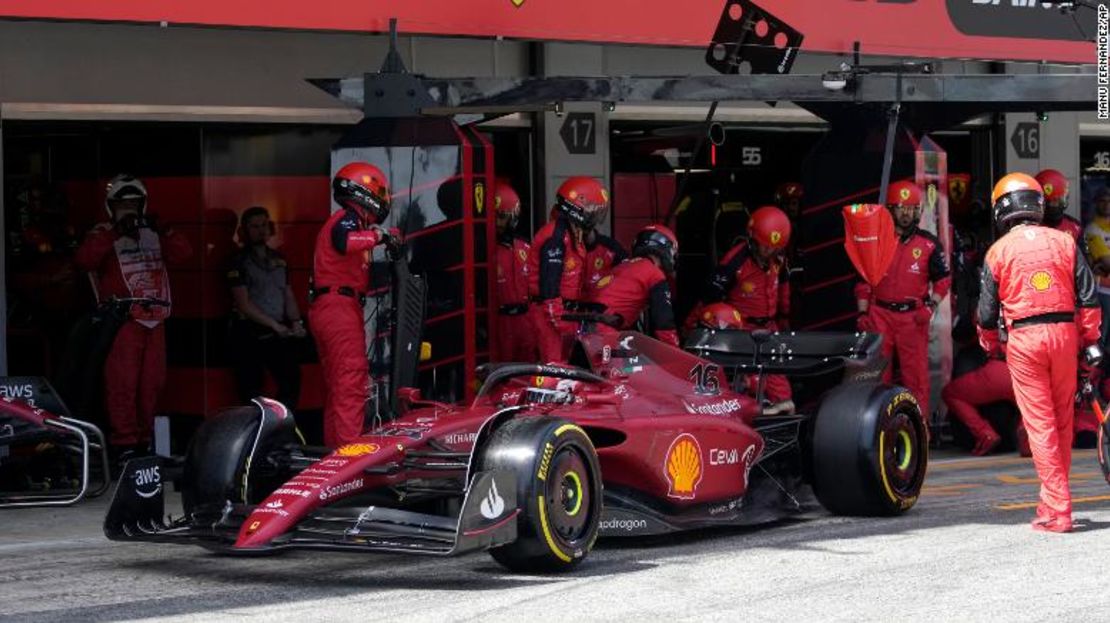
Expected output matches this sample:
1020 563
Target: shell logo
1041 281
683 467
776 236
916 253
358 449
747 287
604 281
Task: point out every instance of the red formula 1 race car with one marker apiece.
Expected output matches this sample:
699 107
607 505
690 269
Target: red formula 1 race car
635 438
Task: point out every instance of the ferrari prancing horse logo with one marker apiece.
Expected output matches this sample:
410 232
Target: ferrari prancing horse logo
916 253
479 198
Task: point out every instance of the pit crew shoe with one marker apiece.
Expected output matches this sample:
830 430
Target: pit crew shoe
1052 524
985 444
781 408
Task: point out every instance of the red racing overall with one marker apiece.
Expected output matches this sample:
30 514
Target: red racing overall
556 272
601 257
966 393
135 369
341 276
1035 278
898 310
515 336
762 295
634 286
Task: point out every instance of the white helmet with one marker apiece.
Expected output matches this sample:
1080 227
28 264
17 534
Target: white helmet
124 186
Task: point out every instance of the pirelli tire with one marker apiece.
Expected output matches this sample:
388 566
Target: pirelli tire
229 459
559 492
870 450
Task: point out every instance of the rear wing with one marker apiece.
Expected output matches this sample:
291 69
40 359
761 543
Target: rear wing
804 353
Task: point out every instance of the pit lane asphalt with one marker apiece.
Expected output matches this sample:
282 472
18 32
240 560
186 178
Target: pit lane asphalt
964 553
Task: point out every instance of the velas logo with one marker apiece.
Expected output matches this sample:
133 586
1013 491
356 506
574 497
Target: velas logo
682 467
1040 281
358 449
493 505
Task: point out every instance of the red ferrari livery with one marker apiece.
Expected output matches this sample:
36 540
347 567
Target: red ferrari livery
636 437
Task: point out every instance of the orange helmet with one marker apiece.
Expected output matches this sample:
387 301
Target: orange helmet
363 188
720 316
770 227
788 191
659 241
903 193
1017 197
1054 185
583 200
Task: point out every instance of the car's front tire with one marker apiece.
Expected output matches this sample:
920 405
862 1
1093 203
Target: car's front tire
559 492
228 457
870 450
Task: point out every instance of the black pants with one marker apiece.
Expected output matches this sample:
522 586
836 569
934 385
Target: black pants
256 350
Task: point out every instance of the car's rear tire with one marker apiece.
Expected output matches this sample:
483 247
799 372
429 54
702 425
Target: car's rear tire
559 492
223 463
870 450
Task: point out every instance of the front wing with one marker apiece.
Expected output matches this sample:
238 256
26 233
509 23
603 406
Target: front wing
137 513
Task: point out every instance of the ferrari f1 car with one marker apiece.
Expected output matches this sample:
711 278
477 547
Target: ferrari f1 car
634 438
47 458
